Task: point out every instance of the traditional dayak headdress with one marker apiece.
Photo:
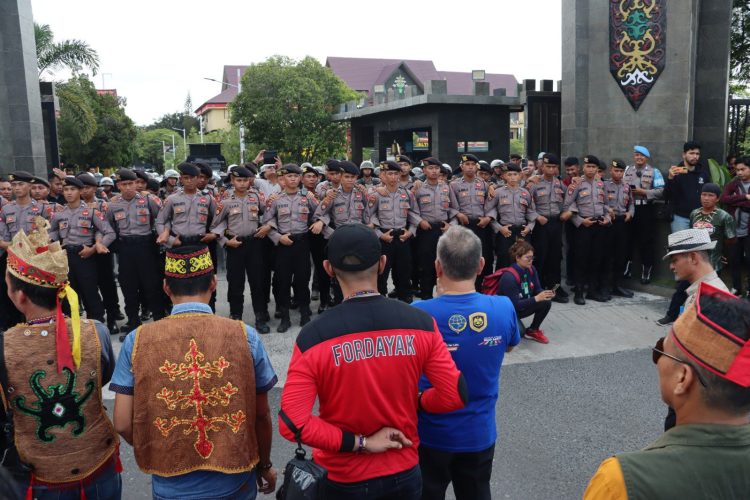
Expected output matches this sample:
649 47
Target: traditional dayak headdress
708 343
188 262
34 259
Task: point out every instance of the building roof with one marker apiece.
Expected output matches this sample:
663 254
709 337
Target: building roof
228 92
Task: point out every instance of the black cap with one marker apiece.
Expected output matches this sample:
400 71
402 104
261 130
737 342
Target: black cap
87 179
550 159
125 174
430 160
73 181
512 167
152 185
618 164
591 159
405 158
42 181
710 187
22 176
349 167
188 169
141 174
252 167
353 247
333 166
290 168
484 167
571 160
205 169
241 172
308 169
469 157
389 166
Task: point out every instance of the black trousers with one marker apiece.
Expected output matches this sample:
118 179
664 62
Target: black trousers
9 315
318 252
539 310
503 244
426 255
245 261
547 242
678 299
570 259
269 278
469 472
642 234
105 271
83 279
588 253
293 270
616 244
739 255
398 259
485 236
140 274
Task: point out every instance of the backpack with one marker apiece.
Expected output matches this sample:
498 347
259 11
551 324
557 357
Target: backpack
491 282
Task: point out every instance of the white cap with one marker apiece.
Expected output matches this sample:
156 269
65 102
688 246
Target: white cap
540 156
366 164
689 240
306 164
106 181
496 163
171 174
267 167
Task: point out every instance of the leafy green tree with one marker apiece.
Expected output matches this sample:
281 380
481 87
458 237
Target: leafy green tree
286 105
148 147
517 146
113 141
176 120
740 44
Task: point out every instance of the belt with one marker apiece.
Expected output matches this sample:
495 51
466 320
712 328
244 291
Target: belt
298 236
394 232
191 239
143 238
74 248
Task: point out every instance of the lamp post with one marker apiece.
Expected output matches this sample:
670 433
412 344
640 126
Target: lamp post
163 152
242 127
184 139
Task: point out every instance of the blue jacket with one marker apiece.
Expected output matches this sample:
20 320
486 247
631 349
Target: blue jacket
514 290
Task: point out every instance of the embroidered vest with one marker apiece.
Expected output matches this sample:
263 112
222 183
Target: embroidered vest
194 396
60 424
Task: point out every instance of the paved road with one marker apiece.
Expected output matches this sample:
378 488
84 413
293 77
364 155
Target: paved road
563 407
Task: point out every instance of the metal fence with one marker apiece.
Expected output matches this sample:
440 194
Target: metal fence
739 121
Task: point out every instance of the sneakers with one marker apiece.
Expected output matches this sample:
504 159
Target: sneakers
536 336
665 321
646 275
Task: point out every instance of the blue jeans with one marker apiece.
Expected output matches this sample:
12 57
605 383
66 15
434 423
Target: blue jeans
405 485
248 490
107 486
680 223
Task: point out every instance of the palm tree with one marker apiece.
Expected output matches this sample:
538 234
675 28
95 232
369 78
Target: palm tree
73 55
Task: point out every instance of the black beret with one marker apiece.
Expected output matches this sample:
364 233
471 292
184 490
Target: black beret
73 181
333 165
550 159
308 169
152 185
484 166
141 174
389 166
252 167
431 161
405 158
188 169
618 164
87 179
571 160
291 168
22 176
349 167
241 172
125 174
205 169
42 181
591 159
469 157
512 167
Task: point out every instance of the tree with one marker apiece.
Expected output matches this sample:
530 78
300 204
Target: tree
176 120
517 146
287 105
113 141
740 45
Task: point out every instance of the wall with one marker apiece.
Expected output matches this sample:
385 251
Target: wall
216 119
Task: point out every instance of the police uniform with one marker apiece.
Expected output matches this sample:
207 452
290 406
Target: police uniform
133 222
548 197
620 204
240 217
397 211
318 241
291 214
469 197
434 202
511 207
75 228
588 200
408 182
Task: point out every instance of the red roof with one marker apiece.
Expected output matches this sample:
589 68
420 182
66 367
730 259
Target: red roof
228 92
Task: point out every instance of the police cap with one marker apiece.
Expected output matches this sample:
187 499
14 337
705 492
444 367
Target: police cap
349 167
618 164
87 179
469 157
205 170
512 167
484 167
22 176
241 172
187 169
291 168
591 159
551 159
430 160
73 181
389 166
333 165
141 174
42 181
125 174
404 158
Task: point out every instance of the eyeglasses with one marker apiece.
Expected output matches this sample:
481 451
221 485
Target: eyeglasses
530 258
658 351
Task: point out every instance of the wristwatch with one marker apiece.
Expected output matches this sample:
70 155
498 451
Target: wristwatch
264 466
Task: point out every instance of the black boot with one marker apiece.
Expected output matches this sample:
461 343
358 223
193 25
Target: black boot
561 296
285 324
646 275
618 291
305 317
595 295
578 298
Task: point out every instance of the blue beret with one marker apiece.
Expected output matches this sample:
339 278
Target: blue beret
643 150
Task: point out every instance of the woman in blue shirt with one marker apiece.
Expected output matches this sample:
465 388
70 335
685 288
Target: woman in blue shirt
521 285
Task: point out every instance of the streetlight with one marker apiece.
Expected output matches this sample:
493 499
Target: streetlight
184 140
163 151
242 127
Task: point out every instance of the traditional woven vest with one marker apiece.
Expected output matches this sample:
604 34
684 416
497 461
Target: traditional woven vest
691 461
194 396
61 428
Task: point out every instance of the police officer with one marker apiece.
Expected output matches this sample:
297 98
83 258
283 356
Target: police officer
586 200
238 225
83 232
512 213
132 215
405 179
105 263
368 179
435 210
548 195
204 178
310 184
290 216
333 178
346 205
621 210
170 184
395 217
470 193
646 185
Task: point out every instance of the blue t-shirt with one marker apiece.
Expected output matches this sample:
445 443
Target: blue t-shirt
198 484
477 329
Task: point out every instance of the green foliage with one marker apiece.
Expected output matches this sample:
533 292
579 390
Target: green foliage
114 135
719 173
148 147
517 146
740 42
176 120
287 105
68 54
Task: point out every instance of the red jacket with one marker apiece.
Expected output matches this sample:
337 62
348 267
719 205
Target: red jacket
733 197
363 360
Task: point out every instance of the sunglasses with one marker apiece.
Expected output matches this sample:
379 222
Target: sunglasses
658 351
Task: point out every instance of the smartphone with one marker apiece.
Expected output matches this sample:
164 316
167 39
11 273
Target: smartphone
524 162
554 288
269 157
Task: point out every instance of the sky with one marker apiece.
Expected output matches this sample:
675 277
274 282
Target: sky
156 52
